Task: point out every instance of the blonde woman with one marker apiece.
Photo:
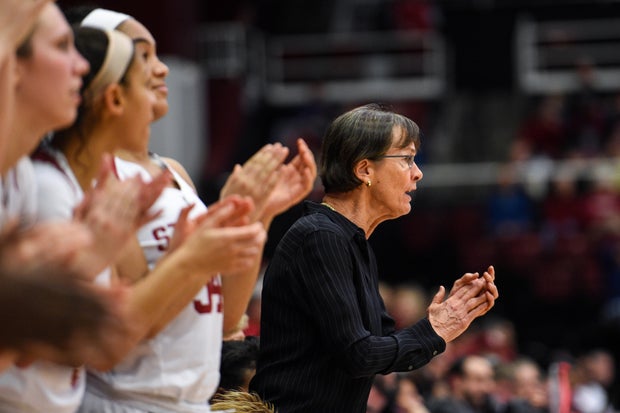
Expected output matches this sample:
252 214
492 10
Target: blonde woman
43 77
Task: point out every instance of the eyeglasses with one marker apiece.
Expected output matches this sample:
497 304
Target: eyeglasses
410 159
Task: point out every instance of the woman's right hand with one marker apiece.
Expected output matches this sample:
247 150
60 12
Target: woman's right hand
223 241
257 177
471 297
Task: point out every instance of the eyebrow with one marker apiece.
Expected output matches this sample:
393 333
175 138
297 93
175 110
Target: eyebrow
142 40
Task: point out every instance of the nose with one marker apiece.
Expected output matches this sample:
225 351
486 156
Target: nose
81 65
416 173
160 69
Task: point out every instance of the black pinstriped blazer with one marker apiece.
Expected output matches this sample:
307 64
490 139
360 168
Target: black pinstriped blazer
324 329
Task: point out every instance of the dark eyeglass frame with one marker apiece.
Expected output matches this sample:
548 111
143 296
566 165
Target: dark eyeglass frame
410 159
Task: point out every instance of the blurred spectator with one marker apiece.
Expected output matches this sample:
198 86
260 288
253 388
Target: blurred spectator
238 363
409 396
601 204
510 209
472 387
436 375
544 131
586 121
561 209
408 305
498 339
386 291
528 387
382 393
593 375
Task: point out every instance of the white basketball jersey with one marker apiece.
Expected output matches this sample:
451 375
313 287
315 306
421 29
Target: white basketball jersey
47 387
18 194
178 370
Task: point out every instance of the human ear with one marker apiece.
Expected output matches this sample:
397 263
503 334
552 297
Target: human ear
364 170
113 99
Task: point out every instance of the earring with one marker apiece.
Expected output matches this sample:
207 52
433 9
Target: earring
368 183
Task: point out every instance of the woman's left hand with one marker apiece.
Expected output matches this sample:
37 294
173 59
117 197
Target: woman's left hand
295 182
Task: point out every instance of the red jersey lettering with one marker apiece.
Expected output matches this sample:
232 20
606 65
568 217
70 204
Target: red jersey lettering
163 235
212 299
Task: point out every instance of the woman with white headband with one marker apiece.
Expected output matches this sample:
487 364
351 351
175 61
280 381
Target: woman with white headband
177 370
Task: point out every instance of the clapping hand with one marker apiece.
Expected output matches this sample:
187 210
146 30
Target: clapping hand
296 180
471 296
273 185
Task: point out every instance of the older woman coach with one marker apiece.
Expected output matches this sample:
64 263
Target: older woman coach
324 330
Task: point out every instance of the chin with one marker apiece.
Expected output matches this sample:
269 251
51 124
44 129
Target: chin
397 213
160 108
406 209
64 121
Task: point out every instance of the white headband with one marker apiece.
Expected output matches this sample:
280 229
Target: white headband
104 19
117 59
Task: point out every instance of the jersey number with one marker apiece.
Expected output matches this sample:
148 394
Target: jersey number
213 298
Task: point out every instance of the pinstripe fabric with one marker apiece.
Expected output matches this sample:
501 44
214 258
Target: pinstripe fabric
324 329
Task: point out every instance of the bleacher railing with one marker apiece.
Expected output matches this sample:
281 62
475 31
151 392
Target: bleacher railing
338 67
355 67
548 54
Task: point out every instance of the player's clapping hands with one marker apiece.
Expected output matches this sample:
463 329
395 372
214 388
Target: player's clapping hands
273 185
113 210
222 239
296 180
